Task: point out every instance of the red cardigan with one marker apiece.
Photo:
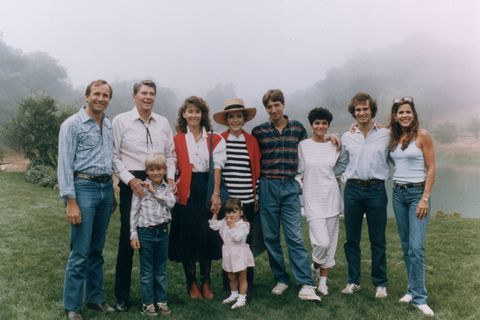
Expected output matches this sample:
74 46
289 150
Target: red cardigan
254 155
184 166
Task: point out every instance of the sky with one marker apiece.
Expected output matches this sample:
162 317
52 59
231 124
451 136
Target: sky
191 46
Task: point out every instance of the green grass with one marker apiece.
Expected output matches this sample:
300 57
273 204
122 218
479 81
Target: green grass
35 245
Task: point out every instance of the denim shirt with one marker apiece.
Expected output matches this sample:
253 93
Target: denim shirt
83 147
367 156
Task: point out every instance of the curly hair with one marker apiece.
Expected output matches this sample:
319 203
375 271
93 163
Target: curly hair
320 114
362 98
201 105
396 129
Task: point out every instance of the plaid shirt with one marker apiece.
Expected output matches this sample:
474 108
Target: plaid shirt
279 150
152 209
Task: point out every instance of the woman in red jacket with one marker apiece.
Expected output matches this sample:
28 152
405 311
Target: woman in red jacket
191 239
242 169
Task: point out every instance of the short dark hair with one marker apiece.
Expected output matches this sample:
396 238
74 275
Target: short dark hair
96 83
273 95
362 98
148 83
320 114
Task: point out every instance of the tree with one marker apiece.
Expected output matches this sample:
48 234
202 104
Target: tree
473 127
35 129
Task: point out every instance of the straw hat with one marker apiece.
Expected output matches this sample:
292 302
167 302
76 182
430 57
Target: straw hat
232 105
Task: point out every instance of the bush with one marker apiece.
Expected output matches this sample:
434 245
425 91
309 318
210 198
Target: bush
35 130
46 176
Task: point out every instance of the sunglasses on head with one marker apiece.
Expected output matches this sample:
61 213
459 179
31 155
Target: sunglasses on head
403 99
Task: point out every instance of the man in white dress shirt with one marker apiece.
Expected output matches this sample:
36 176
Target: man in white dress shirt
138 134
365 175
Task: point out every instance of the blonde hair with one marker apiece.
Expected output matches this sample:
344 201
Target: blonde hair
157 161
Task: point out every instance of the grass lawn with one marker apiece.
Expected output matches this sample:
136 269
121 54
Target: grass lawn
35 245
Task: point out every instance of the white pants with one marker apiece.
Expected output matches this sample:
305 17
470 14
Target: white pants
324 238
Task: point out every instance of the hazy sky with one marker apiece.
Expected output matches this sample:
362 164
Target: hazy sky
192 45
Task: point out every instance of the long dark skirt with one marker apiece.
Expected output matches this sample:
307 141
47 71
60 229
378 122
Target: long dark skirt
191 238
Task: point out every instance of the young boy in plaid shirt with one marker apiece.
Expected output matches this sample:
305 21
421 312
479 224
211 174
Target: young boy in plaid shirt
149 219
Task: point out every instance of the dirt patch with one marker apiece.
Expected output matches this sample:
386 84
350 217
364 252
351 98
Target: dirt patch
14 161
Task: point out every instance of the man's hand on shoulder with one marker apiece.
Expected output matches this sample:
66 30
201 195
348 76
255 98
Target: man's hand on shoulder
335 140
74 215
137 187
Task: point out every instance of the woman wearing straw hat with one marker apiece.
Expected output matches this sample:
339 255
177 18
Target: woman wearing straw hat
242 168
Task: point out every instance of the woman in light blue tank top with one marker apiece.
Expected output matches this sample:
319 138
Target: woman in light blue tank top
411 149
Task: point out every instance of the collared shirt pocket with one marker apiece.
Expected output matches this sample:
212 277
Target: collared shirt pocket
88 140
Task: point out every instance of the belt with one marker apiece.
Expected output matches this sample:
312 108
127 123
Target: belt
159 226
364 183
104 178
408 185
273 177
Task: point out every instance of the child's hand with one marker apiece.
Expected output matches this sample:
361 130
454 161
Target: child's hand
135 244
230 222
148 185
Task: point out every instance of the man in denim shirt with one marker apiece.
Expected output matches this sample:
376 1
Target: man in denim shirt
366 146
85 152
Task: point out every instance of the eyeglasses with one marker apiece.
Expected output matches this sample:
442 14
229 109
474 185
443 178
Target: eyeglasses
403 99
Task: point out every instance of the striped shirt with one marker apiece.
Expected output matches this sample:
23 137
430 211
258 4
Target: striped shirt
152 209
279 150
237 173
83 147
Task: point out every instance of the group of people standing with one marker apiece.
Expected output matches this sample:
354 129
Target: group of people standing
163 181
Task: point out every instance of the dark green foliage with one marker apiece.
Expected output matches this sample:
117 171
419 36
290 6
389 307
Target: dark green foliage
35 130
45 176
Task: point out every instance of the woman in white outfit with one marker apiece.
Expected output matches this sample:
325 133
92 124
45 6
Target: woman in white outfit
319 164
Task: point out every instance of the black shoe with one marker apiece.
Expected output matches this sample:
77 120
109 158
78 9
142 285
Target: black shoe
101 307
73 315
122 306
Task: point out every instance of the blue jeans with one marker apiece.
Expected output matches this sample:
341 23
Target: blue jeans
280 204
153 263
372 201
412 232
84 270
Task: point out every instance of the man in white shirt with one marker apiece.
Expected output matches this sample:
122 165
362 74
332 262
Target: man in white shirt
365 175
138 134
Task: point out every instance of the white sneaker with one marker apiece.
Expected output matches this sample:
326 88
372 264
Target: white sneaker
232 298
407 298
308 293
425 309
323 289
241 302
381 293
279 289
351 288
315 273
